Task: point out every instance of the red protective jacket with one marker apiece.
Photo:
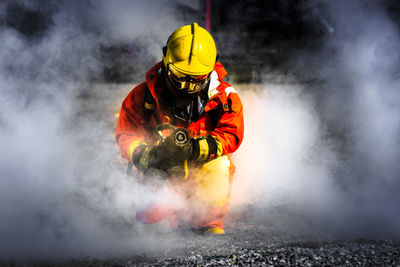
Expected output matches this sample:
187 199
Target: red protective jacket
224 107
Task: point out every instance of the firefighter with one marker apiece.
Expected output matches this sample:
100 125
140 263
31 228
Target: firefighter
185 90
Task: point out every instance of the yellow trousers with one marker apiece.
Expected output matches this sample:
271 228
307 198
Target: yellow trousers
206 191
212 182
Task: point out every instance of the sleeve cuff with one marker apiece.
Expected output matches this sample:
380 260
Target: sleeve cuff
206 148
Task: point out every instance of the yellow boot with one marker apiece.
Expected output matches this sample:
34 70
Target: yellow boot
215 231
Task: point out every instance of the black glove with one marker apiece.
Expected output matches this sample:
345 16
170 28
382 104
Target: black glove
146 156
171 152
175 149
179 147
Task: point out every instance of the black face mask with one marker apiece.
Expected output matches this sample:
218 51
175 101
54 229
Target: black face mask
184 106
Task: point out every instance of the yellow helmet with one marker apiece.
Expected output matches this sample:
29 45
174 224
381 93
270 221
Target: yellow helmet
189 58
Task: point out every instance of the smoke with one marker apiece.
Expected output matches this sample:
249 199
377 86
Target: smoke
62 192
326 152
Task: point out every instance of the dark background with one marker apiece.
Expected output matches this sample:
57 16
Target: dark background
252 36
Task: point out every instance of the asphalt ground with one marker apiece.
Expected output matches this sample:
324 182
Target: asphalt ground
250 244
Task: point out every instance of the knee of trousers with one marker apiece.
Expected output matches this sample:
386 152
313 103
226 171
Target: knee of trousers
212 182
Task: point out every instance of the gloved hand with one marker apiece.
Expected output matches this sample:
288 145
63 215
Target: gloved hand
140 156
180 147
171 152
176 149
144 156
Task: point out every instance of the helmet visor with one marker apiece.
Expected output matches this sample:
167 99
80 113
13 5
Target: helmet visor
186 83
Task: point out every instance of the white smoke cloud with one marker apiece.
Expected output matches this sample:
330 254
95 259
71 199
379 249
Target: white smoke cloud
329 150
62 192
284 161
